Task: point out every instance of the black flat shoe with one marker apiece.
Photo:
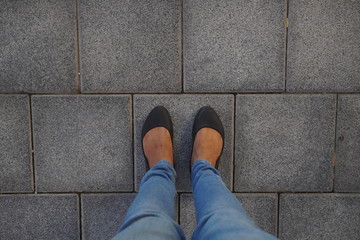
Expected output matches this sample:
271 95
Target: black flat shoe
206 117
158 117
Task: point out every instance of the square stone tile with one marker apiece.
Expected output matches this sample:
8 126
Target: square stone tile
40 216
102 214
324 46
37 46
284 142
183 109
15 145
234 45
130 46
319 216
262 208
347 169
83 143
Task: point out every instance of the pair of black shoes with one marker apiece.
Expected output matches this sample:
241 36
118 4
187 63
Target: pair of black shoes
206 117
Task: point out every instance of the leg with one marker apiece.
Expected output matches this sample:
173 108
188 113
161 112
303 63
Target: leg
152 214
219 214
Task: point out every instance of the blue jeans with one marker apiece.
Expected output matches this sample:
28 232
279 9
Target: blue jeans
219 215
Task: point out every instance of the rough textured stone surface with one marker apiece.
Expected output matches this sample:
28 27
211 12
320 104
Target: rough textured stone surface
234 45
262 208
37 46
347 169
15 156
129 46
183 109
102 214
324 46
284 142
82 143
319 216
41 216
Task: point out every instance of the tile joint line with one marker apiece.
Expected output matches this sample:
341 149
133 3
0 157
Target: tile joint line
335 136
286 44
234 139
32 143
80 215
182 44
77 45
132 119
278 216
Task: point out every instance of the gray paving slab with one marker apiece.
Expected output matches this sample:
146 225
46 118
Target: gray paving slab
262 208
83 143
102 214
130 46
347 168
37 46
324 46
40 216
15 145
319 216
234 46
284 142
183 109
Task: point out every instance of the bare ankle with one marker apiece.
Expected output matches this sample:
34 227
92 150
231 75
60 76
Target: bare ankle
158 146
207 145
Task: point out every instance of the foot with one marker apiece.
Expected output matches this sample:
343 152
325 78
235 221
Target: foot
207 145
157 146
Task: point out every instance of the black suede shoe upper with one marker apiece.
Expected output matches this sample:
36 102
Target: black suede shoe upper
158 117
207 117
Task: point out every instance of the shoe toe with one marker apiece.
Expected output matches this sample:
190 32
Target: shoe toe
158 117
207 117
